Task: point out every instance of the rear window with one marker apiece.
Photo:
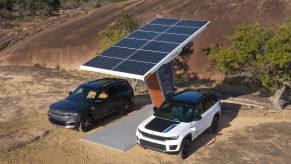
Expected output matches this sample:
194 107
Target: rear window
209 102
113 90
123 87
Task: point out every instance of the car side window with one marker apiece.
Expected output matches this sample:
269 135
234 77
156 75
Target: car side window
91 94
208 103
198 110
123 87
112 90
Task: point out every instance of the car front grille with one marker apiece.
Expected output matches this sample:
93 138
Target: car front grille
153 145
152 136
57 122
57 114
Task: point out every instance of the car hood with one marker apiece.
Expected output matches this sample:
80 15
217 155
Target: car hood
164 127
68 105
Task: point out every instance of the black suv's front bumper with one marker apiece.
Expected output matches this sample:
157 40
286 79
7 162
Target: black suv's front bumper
64 121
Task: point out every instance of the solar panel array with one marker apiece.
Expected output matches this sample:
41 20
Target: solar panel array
143 49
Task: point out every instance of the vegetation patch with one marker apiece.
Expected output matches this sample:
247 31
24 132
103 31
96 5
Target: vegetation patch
259 55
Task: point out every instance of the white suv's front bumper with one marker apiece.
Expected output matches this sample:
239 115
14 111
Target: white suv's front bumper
164 146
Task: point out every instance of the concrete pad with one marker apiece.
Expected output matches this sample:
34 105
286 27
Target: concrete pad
120 135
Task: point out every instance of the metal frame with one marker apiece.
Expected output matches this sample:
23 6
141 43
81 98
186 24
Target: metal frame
165 60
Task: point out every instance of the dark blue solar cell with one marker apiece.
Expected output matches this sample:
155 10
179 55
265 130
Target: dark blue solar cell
172 38
143 35
148 56
182 30
160 46
133 67
103 62
118 52
191 23
164 21
154 28
131 43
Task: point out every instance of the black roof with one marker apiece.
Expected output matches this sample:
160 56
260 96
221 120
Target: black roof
102 82
189 97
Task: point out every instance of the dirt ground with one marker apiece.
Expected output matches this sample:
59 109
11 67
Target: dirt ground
246 135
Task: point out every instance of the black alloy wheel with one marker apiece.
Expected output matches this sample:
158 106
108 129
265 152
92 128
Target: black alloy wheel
185 149
86 123
214 125
126 107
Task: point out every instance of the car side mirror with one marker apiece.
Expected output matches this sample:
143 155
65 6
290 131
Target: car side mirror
196 118
155 109
70 93
193 129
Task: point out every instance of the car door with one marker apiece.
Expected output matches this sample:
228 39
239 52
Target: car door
207 112
216 104
113 98
102 106
121 95
198 120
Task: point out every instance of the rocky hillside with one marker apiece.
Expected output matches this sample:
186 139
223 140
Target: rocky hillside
69 40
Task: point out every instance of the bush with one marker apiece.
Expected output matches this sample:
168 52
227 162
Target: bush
127 24
32 6
46 7
6 4
51 7
258 54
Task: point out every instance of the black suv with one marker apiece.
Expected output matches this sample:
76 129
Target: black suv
92 101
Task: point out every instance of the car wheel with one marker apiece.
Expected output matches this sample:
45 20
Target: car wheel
185 149
214 125
86 123
126 107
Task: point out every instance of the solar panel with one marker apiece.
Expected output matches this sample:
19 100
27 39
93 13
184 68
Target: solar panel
145 50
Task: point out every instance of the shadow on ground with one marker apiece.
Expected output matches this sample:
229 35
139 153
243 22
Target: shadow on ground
228 113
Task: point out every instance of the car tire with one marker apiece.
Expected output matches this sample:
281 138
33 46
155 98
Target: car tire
185 149
86 123
126 107
214 125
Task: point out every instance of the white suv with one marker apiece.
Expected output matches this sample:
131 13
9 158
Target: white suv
178 121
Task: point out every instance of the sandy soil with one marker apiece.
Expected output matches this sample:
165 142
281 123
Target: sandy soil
246 136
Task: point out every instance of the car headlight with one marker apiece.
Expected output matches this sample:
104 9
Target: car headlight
139 130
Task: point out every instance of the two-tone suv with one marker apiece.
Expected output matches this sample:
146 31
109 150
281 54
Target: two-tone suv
92 101
178 121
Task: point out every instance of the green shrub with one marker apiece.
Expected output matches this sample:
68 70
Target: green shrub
46 7
258 54
126 24
6 4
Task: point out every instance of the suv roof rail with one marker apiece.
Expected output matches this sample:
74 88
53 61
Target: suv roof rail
113 80
104 79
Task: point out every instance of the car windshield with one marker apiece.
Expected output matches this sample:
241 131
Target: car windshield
176 112
84 94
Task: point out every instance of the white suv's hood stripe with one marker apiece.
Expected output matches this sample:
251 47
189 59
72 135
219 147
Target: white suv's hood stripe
161 125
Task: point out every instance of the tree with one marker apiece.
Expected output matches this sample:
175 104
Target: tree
259 55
